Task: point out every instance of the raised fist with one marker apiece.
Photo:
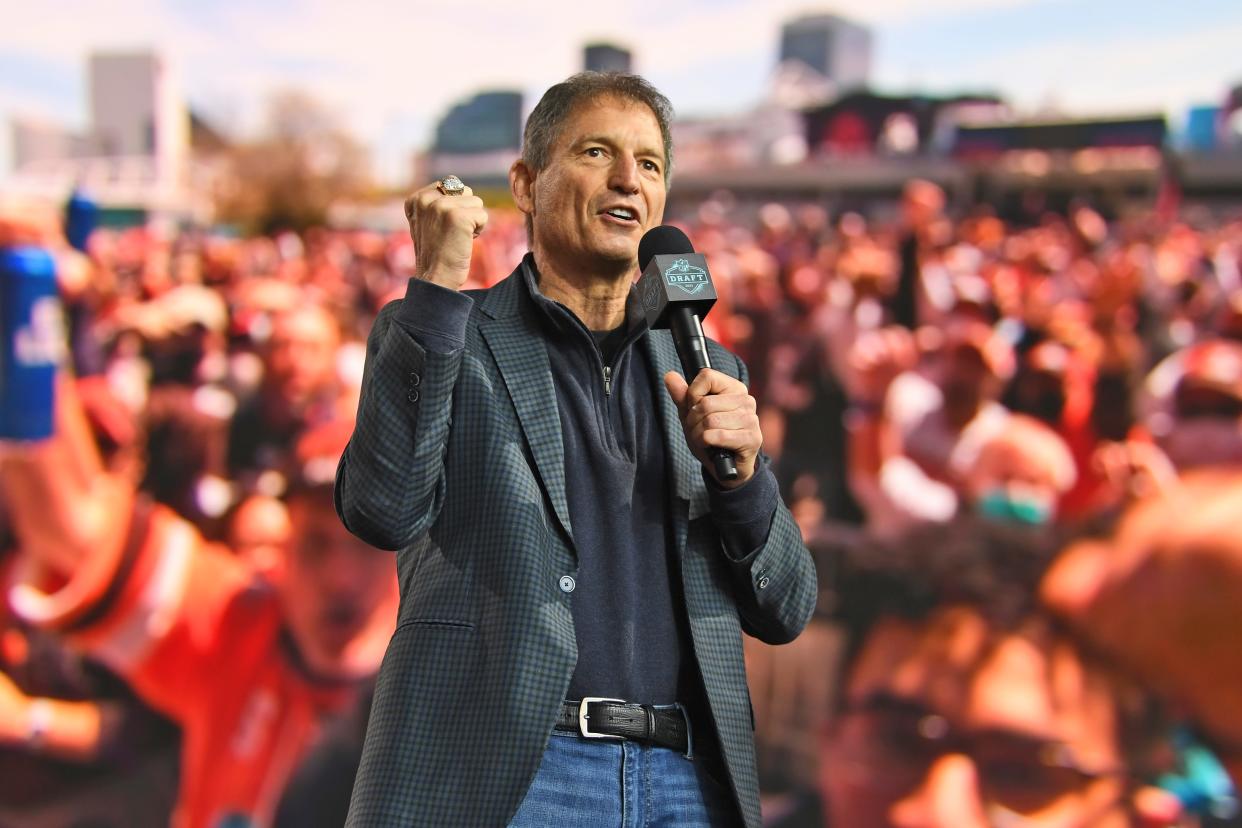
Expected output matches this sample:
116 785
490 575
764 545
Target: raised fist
443 226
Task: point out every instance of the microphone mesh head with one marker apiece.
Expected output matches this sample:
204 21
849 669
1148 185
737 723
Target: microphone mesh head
659 241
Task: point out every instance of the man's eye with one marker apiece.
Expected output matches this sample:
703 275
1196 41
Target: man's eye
651 165
595 152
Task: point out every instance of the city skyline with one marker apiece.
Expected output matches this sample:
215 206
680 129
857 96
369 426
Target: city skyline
392 70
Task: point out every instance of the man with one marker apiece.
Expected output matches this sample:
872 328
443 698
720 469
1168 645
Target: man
259 532
913 437
964 705
1070 391
99 747
247 669
1019 474
922 208
1162 594
299 390
1194 404
533 456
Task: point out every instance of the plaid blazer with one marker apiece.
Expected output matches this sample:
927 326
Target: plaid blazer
456 462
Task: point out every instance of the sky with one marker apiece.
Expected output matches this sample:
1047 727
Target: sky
391 68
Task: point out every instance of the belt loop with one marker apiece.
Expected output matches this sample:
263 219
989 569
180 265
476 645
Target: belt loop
689 731
649 710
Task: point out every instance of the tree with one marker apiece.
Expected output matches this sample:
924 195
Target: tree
288 177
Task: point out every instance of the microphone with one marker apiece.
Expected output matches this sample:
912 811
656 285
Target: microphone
676 292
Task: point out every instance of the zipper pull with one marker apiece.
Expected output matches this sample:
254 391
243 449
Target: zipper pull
607 380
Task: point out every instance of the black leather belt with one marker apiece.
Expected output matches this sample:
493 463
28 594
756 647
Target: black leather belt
596 718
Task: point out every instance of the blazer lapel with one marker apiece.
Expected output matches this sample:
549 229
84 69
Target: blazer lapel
522 357
685 468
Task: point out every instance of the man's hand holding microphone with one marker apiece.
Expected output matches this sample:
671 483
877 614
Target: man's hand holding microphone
718 414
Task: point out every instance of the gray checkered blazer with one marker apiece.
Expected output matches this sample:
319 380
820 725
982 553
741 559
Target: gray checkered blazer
456 462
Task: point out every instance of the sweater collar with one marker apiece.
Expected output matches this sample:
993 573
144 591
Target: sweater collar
564 321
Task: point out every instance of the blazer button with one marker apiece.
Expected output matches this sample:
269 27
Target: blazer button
412 396
567 584
763 582
415 379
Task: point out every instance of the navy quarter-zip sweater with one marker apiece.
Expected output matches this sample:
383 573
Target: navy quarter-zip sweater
628 609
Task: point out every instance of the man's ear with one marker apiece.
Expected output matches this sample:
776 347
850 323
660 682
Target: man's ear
522 186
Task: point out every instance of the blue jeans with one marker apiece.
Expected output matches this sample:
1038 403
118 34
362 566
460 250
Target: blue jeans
587 783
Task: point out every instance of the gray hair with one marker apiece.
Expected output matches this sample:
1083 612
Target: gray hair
547 119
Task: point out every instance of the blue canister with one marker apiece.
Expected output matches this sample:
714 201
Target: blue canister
32 342
81 219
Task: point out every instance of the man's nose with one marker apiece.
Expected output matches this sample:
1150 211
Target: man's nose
948 797
623 177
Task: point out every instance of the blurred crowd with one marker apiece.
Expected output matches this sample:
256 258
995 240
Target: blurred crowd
959 410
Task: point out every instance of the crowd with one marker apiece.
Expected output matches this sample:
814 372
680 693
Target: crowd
947 400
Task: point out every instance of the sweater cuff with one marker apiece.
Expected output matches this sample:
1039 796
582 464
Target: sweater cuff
744 515
435 316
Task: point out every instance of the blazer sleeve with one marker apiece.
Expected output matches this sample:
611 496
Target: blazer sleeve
390 479
775 584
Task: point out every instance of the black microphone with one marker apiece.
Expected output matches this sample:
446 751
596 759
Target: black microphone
676 292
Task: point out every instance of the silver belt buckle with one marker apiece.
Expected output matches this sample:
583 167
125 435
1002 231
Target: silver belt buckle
583 716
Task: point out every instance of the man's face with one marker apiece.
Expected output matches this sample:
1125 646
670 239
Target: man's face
333 585
259 533
965 381
301 359
949 724
921 203
602 188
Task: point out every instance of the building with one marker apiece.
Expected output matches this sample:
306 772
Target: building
1230 119
134 157
766 134
479 138
137 111
488 121
37 141
862 124
1202 129
606 57
836 48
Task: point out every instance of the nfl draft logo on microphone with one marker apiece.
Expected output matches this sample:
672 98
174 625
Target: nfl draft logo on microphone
686 277
679 279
